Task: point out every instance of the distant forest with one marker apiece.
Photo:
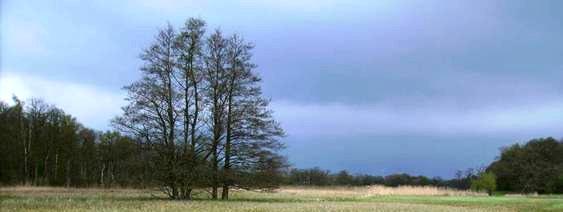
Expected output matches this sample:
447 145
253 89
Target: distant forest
196 119
536 166
41 145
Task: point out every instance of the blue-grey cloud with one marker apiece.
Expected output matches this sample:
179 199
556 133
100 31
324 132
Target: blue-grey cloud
384 75
92 105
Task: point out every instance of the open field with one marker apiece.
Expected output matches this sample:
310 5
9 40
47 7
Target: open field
284 199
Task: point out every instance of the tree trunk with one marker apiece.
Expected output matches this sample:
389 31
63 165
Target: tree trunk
227 165
215 180
111 170
68 173
225 194
102 175
216 140
45 170
22 133
36 173
195 117
25 168
214 192
56 168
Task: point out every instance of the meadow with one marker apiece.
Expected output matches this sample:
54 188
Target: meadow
373 198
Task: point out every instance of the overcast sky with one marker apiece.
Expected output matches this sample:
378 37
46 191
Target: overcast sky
423 87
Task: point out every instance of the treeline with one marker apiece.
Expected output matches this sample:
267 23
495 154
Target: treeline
533 167
320 177
42 145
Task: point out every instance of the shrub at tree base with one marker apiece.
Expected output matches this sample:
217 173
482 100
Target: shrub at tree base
485 182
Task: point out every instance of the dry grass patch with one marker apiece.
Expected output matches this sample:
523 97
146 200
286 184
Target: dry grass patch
377 190
420 190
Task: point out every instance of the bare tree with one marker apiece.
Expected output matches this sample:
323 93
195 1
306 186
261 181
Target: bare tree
189 54
251 132
200 106
152 113
215 77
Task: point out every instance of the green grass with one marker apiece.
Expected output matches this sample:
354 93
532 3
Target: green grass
314 199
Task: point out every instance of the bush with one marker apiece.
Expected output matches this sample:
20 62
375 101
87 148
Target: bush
485 182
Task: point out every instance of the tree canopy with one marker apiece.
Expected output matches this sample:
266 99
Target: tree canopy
536 166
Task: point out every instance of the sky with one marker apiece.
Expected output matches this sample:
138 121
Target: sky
425 87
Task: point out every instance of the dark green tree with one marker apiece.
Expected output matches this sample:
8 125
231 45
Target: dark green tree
533 167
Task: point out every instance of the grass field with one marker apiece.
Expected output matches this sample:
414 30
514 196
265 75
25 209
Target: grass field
284 199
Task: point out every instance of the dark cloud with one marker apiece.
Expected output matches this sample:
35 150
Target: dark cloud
414 81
